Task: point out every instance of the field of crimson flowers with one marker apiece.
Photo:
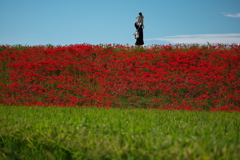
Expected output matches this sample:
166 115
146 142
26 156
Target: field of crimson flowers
178 77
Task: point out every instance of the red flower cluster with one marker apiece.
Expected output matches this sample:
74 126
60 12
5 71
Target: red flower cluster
186 77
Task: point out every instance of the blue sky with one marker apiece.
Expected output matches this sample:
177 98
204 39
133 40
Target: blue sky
65 22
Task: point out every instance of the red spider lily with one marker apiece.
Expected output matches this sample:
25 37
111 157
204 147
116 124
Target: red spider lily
165 77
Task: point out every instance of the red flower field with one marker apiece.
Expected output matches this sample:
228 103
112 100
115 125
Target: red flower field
181 77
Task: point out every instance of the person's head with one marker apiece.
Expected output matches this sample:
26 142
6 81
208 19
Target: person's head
140 13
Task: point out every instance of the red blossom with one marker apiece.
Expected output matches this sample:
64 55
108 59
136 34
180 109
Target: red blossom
164 77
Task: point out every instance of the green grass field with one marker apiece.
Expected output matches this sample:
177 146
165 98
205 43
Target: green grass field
92 133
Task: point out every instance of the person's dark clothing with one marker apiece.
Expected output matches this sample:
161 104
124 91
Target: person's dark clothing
139 40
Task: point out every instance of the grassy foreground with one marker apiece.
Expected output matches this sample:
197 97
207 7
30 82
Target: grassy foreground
91 133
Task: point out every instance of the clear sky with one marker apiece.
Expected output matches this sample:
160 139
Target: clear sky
65 22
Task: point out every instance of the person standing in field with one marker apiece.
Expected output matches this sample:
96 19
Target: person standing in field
139 25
